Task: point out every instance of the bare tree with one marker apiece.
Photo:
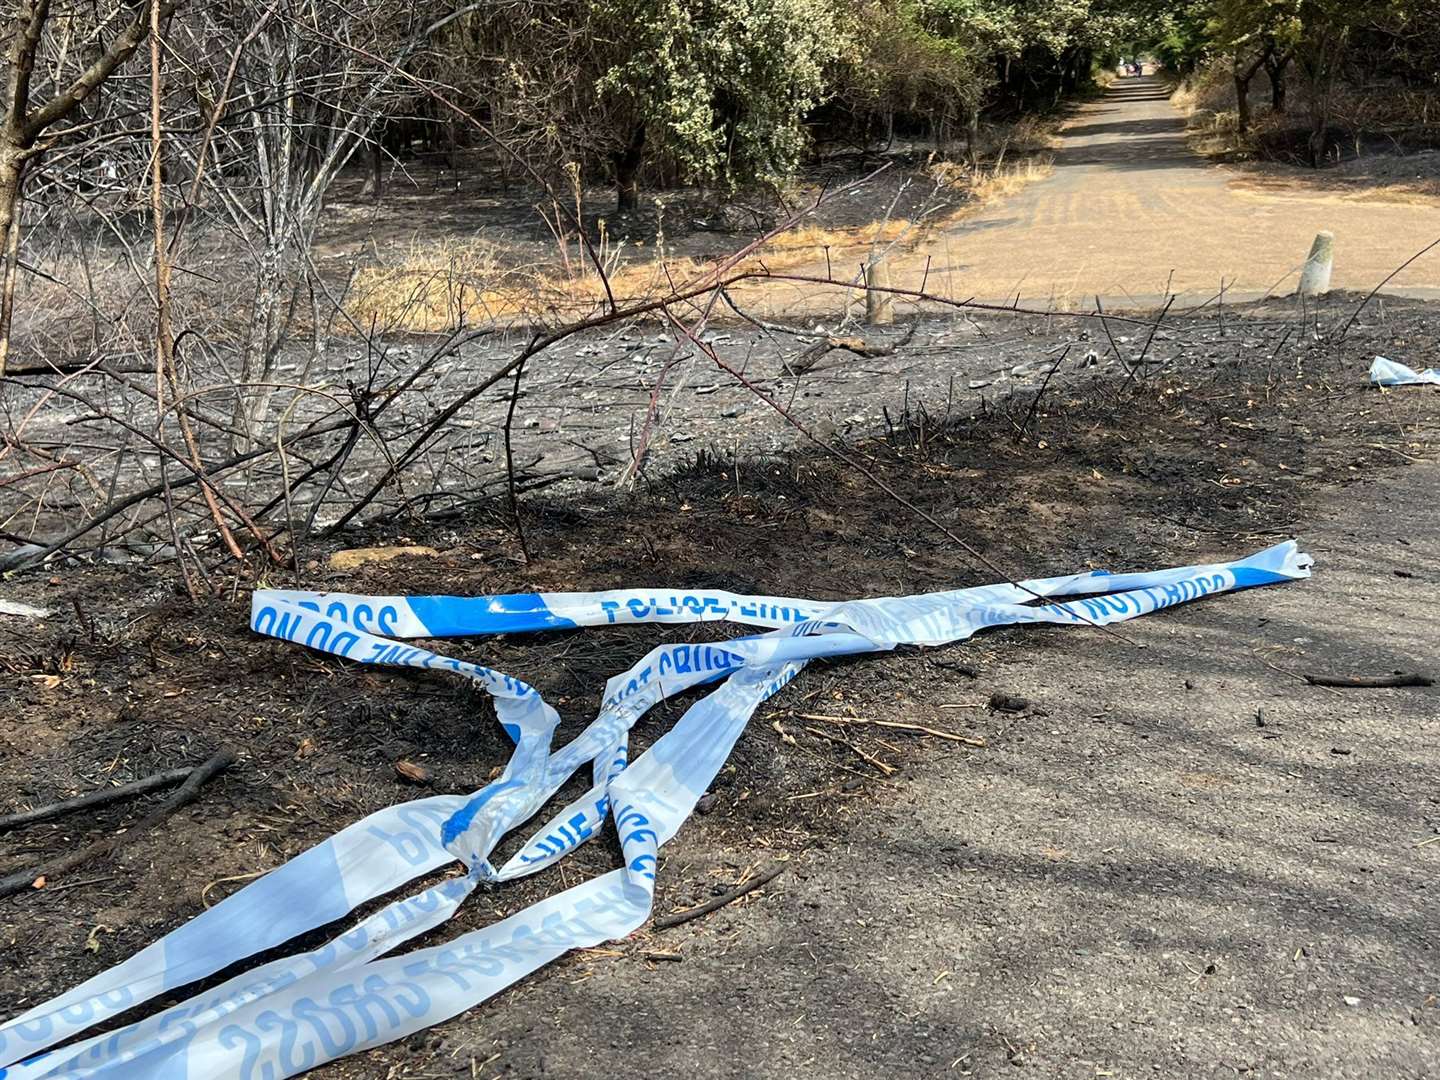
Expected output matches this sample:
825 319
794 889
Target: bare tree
26 123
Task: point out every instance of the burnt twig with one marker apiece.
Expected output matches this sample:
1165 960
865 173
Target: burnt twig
1383 281
665 922
1370 682
510 463
87 856
99 797
1041 392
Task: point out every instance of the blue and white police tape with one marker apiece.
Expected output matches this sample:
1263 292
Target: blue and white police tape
1385 372
294 1013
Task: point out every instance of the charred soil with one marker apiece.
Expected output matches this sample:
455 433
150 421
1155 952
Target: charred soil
1260 430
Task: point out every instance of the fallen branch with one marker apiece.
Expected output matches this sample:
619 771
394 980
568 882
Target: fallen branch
822 348
885 769
87 856
897 725
665 922
1370 681
100 797
135 498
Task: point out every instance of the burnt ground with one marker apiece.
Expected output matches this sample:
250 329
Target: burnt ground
1134 877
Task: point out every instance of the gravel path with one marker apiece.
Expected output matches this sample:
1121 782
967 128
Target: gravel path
1129 205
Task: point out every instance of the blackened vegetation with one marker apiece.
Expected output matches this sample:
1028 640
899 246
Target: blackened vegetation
1184 464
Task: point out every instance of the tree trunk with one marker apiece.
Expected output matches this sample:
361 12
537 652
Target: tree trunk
12 170
1242 101
1275 69
1243 77
1320 70
1319 127
627 170
1319 118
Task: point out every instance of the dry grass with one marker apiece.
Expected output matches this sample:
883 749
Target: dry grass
986 183
434 285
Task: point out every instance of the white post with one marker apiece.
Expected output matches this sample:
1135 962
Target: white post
1315 278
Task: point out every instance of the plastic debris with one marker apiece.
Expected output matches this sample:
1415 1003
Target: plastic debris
294 1013
22 611
1385 372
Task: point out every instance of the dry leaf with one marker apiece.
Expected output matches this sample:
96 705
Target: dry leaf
50 682
305 749
92 939
416 774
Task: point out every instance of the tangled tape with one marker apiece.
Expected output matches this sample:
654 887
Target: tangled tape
294 1013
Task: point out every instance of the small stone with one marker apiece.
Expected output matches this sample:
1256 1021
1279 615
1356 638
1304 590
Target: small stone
706 803
1349 1000
1008 703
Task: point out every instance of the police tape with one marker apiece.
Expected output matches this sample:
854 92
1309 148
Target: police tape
1385 372
296 1012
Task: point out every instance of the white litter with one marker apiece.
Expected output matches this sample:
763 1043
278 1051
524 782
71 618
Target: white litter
1385 372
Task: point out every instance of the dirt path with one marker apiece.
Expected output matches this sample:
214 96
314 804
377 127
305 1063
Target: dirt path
1129 205
1139 880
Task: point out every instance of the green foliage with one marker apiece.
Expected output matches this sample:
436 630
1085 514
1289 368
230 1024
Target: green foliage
1180 38
912 57
721 85
721 91
932 58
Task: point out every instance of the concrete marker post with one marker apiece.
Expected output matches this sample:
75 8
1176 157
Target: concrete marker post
1315 277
